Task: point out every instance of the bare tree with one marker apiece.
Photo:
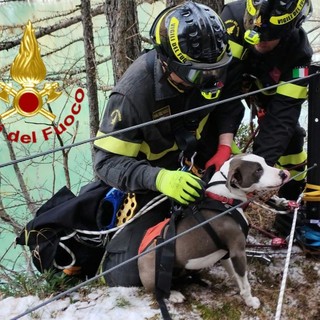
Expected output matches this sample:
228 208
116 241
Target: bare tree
124 39
91 74
6 45
23 186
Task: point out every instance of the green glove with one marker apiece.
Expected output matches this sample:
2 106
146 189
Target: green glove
181 186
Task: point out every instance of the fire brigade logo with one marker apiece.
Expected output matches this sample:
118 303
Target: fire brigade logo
29 70
258 22
232 27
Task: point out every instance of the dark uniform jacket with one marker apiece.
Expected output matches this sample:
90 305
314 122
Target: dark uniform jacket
130 160
283 104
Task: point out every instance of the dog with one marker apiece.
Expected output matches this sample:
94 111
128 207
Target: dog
241 175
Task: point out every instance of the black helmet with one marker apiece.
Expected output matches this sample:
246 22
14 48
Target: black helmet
267 20
192 40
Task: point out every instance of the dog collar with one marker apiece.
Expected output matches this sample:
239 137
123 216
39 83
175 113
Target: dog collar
225 200
222 199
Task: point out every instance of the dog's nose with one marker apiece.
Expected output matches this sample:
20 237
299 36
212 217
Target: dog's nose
284 175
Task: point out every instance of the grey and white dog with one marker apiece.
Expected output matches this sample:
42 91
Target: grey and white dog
238 177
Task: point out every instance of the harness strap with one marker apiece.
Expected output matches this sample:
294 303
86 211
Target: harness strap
237 216
165 257
211 204
207 227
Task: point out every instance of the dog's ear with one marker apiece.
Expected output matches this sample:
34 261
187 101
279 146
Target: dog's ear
208 174
243 174
234 178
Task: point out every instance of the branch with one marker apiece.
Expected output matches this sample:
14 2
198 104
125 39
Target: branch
50 29
8 219
24 189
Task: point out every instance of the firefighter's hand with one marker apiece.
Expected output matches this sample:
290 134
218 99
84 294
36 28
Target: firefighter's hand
180 186
222 155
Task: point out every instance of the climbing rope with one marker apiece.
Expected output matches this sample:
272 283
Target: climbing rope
286 267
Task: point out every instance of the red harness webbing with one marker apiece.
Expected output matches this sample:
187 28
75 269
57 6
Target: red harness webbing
151 234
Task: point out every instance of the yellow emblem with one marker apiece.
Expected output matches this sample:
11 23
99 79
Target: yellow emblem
115 117
28 70
232 27
258 22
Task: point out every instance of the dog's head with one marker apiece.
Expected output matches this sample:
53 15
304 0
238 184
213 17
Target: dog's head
249 173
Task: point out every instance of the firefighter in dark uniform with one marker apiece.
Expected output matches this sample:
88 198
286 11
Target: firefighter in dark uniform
186 70
270 47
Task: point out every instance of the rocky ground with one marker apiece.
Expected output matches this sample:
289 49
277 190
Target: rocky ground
219 298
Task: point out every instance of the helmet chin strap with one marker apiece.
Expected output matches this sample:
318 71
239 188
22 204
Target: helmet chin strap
178 86
167 75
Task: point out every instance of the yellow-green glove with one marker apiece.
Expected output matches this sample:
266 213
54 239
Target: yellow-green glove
181 186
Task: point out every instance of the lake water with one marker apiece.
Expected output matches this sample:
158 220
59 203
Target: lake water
33 135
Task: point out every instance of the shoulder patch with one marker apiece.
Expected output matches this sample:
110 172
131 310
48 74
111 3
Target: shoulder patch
115 116
300 72
232 27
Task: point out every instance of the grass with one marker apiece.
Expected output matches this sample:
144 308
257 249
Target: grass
228 311
19 284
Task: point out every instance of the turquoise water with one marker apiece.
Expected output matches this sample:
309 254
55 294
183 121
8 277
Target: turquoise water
30 136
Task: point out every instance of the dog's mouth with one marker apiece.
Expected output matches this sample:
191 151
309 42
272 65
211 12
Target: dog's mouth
285 177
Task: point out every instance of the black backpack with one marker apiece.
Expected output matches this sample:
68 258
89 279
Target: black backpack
64 234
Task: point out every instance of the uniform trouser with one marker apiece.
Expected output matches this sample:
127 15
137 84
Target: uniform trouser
125 245
294 159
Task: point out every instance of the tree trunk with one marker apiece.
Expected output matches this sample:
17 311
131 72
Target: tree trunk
124 38
91 71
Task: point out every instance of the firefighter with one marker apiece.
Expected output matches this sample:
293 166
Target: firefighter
270 47
186 70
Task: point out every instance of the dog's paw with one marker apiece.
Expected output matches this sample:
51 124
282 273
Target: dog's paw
176 297
253 302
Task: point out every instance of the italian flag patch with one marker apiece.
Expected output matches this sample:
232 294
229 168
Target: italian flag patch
300 72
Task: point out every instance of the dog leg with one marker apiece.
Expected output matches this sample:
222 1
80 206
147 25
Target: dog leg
227 264
147 270
245 291
235 268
